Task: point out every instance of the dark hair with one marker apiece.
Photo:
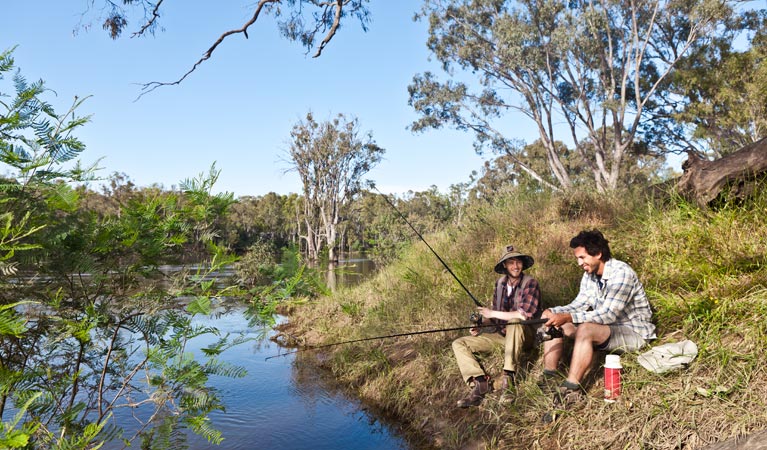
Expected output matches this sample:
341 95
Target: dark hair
594 242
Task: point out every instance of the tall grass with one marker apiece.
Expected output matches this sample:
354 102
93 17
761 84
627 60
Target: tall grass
705 273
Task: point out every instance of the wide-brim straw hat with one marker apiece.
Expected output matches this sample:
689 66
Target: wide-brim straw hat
510 252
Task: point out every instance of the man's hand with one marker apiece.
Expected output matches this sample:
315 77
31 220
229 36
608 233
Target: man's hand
474 331
487 313
556 319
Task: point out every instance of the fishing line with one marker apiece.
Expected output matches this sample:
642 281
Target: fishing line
413 333
476 302
477 323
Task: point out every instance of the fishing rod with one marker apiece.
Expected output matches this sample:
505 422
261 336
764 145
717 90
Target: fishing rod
476 302
413 333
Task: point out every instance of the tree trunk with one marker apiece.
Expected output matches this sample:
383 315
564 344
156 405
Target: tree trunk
703 181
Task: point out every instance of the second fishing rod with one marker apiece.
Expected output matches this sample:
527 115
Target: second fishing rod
305 348
474 317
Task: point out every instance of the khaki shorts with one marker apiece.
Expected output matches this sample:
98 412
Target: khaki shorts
624 339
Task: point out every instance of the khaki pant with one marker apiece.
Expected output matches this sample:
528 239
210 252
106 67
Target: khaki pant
518 338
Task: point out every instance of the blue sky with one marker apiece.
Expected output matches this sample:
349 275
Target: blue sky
238 108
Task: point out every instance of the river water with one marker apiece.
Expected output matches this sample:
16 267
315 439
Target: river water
278 405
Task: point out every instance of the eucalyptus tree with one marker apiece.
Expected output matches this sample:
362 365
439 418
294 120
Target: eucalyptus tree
588 72
330 157
724 88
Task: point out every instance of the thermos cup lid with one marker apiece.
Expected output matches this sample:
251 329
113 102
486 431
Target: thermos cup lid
613 362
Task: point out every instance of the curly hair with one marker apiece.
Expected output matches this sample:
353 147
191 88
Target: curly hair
594 242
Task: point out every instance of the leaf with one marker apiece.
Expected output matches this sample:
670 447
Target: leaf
15 439
200 305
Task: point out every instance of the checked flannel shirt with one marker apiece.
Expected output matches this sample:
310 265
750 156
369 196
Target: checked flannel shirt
618 298
525 297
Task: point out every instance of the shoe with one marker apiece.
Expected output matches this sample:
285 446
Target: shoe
481 387
508 388
564 399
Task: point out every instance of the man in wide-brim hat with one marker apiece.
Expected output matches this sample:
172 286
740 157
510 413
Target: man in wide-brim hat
527 260
517 297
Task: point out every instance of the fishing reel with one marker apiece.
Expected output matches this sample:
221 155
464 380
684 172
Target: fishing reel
543 334
476 319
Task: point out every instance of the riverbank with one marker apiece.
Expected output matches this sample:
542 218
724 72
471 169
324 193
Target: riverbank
705 273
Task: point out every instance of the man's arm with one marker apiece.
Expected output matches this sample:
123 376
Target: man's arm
500 315
580 302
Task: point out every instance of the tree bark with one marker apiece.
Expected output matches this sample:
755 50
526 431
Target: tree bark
703 181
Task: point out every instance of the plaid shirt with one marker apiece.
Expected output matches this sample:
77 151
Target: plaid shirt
618 298
524 300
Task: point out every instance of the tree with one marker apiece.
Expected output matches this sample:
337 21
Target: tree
257 219
313 23
379 229
331 158
595 66
724 93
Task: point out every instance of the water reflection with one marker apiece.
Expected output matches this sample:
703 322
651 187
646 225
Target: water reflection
282 404
349 271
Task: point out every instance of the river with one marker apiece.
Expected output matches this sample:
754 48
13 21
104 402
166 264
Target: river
279 404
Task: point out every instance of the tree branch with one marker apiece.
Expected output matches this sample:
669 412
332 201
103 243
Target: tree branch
149 87
333 28
151 22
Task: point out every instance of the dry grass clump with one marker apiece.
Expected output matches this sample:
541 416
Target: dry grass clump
705 273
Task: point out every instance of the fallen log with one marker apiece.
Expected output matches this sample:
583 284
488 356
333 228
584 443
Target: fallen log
734 175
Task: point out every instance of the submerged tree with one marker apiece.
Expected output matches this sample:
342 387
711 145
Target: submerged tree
593 66
331 158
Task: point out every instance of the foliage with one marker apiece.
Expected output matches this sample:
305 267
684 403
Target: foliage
290 282
203 207
299 20
102 308
724 92
34 140
258 265
380 230
596 66
370 225
304 21
271 217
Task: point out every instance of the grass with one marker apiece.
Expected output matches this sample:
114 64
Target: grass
704 271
